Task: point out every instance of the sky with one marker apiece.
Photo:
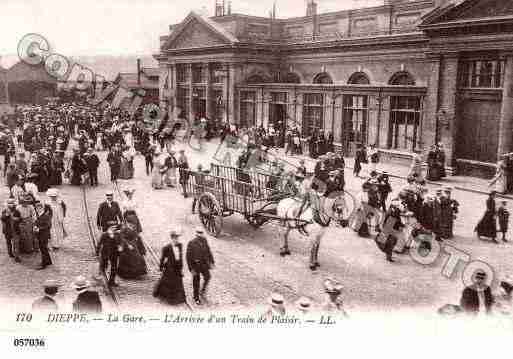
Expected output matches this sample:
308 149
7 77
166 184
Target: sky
124 27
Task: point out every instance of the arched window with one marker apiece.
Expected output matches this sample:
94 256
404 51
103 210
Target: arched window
292 78
322 78
359 78
402 78
255 79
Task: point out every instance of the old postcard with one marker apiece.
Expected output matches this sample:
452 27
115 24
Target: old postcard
177 173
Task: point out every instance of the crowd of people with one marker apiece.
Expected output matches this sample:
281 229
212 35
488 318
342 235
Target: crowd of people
35 163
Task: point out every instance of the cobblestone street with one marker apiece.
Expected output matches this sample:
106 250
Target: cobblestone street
248 264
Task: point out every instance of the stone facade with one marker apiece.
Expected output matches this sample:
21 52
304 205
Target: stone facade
404 75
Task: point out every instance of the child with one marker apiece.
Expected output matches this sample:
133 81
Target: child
503 216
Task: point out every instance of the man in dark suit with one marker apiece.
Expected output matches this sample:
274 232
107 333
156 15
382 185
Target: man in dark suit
93 162
477 298
107 212
199 260
88 300
42 228
108 249
11 219
47 302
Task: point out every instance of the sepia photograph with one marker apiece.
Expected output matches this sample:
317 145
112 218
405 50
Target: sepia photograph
338 168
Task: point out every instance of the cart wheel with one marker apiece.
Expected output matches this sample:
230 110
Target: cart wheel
210 214
256 221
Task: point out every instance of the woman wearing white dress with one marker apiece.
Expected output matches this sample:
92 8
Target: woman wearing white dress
499 180
58 230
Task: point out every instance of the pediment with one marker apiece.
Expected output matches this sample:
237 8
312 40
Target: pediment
197 31
469 10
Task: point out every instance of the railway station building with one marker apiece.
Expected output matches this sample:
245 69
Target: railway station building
403 76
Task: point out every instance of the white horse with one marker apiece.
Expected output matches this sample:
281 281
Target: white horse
310 216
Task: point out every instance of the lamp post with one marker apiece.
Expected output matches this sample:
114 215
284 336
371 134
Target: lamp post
380 98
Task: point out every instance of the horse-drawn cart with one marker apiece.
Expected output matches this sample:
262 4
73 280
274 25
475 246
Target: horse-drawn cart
228 190
256 196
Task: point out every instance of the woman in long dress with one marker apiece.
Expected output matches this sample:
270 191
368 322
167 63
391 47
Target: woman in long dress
170 285
157 172
131 263
487 226
499 180
171 165
125 171
28 216
58 231
129 207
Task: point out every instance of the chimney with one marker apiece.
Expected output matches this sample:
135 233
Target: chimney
219 8
311 8
139 72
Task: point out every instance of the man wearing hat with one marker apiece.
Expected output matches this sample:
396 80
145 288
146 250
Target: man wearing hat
386 240
477 298
109 248
42 227
276 306
107 212
449 209
47 302
304 305
88 300
93 162
200 261
11 218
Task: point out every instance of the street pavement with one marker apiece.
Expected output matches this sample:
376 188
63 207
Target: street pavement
248 265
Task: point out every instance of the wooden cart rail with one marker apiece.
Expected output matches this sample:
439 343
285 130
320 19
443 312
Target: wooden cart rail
264 185
232 195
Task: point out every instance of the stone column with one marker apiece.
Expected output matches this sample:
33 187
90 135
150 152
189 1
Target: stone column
232 98
173 84
208 108
226 92
447 98
431 104
506 119
191 91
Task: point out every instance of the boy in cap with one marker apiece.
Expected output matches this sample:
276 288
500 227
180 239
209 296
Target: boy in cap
47 302
477 298
333 303
503 218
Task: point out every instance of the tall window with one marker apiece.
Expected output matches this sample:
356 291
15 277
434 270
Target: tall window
248 108
199 74
313 113
182 74
278 108
216 73
481 73
182 101
404 126
355 118
217 104
199 101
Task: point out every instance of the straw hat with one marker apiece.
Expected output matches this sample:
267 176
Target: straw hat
81 283
332 286
276 300
304 303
